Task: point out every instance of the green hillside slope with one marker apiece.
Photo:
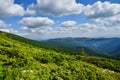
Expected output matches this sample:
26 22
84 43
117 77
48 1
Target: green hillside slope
39 44
20 60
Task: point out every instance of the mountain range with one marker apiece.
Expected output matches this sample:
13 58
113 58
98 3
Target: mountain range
99 46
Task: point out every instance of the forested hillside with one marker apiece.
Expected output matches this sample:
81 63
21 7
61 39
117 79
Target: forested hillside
24 59
95 46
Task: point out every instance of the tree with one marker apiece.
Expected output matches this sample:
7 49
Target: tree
82 52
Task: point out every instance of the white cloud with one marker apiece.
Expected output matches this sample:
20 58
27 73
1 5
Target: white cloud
105 17
10 30
109 21
65 27
57 7
103 13
71 29
36 24
88 26
39 30
102 9
4 25
30 11
8 8
83 30
7 27
67 7
68 24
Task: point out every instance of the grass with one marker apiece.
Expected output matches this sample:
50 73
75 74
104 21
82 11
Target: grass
22 61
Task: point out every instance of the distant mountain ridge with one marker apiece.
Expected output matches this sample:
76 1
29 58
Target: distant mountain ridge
95 46
108 46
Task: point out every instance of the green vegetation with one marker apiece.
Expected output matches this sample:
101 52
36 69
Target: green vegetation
106 63
82 52
20 59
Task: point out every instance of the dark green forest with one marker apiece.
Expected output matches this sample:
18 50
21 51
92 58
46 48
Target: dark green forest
24 59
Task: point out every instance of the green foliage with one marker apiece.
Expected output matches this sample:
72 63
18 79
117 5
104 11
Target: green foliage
106 63
22 61
82 52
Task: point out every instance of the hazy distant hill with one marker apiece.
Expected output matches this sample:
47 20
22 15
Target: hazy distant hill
106 46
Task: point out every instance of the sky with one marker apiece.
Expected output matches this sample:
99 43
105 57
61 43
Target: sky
46 19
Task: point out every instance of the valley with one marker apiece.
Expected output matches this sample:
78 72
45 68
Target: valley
24 59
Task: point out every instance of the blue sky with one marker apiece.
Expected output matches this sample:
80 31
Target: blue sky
44 19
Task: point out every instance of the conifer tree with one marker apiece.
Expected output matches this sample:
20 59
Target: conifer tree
82 52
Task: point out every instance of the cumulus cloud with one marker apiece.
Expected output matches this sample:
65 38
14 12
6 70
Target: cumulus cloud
39 30
67 7
84 30
101 9
65 27
103 14
10 30
57 7
7 27
33 22
30 11
4 25
109 21
68 24
8 8
88 26
36 24
71 29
